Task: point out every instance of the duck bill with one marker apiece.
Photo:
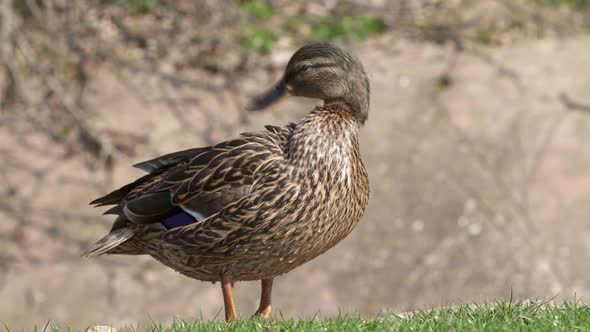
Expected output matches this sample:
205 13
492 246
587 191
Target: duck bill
272 96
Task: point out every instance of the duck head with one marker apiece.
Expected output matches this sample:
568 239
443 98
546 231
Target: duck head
322 71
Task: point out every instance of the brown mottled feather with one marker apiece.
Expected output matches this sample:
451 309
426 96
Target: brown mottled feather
283 183
203 179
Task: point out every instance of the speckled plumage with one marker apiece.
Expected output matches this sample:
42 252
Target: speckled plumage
271 200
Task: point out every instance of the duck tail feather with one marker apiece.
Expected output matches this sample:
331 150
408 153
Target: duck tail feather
109 242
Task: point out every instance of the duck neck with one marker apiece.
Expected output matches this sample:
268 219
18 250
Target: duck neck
327 135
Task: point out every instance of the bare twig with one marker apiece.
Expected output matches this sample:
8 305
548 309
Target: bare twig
573 105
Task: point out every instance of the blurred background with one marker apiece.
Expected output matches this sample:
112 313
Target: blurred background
476 147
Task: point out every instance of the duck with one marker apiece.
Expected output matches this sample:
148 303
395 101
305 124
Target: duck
258 206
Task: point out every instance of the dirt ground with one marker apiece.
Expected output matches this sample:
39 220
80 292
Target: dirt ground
480 187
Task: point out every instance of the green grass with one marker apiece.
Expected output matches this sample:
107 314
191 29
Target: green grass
258 39
263 24
573 3
501 316
258 9
133 7
361 27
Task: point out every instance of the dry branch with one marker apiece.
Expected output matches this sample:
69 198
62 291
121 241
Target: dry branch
572 105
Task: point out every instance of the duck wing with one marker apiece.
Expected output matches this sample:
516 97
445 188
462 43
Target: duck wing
196 183
271 196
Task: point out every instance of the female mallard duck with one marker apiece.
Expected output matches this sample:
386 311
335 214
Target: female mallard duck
260 205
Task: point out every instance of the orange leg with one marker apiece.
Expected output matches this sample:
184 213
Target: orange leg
227 285
265 296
